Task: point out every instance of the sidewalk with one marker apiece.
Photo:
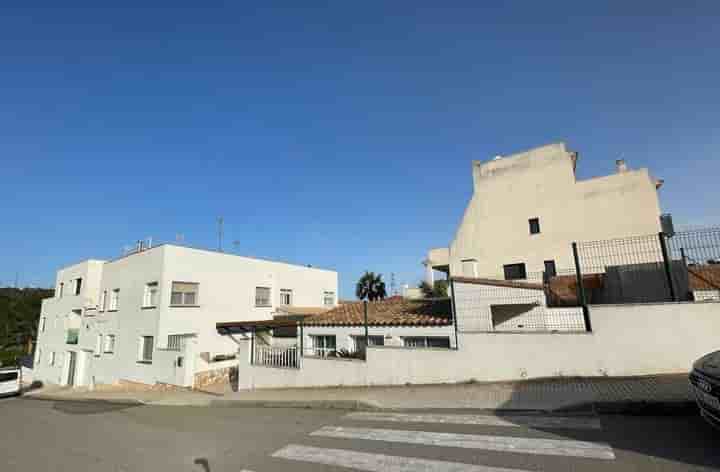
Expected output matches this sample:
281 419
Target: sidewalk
652 394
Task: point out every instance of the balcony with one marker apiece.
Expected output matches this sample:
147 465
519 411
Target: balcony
72 336
438 259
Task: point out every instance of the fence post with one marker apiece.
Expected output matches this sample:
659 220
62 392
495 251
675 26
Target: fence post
453 310
668 268
581 289
302 340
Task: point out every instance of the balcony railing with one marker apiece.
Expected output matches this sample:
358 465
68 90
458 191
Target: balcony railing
72 336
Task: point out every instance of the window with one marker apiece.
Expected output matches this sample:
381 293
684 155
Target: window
184 294
98 344
146 349
469 268
426 341
262 296
176 342
550 270
114 299
285 296
77 285
359 341
328 298
109 347
51 358
515 271
150 298
38 357
42 324
534 225
103 300
61 289
323 346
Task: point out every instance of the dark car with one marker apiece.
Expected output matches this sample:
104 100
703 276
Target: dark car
705 380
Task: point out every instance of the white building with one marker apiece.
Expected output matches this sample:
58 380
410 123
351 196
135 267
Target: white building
150 317
528 208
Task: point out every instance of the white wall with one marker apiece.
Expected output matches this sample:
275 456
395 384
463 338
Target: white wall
626 340
226 293
541 184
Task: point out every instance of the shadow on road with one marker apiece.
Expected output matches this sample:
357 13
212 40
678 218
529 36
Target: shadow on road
681 436
91 407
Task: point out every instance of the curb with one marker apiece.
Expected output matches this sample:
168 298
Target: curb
647 408
113 401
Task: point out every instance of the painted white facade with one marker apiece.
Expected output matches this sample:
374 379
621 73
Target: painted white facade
540 183
226 286
619 345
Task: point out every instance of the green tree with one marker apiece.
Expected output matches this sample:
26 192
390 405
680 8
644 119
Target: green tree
438 290
370 287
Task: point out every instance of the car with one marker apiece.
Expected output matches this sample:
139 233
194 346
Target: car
705 380
10 381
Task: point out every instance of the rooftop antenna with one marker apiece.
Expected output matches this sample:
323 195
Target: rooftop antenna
393 291
220 233
236 245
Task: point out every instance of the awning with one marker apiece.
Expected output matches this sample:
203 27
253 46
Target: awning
241 327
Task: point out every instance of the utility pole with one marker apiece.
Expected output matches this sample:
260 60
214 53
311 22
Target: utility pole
220 233
17 279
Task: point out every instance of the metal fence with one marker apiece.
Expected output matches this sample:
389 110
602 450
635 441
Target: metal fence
684 266
271 356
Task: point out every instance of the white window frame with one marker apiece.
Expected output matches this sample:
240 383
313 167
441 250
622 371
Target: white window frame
77 285
114 299
141 349
51 358
328 295
181 295
286 293
42 324
109 345
150 296
359 341
103 301
320 345
260 301
61 289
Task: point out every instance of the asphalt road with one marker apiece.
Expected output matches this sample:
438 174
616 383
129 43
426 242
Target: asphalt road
60 436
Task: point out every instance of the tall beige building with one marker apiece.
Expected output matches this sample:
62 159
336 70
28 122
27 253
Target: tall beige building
527 209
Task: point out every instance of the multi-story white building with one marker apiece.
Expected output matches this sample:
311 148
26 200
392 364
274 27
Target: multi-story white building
150 317
528 208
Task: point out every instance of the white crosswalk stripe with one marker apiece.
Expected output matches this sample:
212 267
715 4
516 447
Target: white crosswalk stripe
377 462
554 447
532 421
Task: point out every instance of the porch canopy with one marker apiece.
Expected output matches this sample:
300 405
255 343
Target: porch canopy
243 327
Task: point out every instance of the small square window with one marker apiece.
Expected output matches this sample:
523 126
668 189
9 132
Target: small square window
109 344
515 271
114 299
262 296
534 225
329 298
184 294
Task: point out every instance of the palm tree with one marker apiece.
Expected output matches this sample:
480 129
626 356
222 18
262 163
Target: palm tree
370 287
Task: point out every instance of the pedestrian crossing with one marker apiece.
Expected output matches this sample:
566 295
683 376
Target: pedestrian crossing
506 435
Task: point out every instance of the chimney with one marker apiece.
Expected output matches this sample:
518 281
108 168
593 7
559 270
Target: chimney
620 166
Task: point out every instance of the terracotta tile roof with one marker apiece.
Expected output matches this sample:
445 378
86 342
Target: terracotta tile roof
394 311
301 310
704 277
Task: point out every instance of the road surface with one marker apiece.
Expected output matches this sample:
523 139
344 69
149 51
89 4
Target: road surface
60 436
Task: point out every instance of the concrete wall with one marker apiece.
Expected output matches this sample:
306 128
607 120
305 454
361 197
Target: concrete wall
541 184
626 340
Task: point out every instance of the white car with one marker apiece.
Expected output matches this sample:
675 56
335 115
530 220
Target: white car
10 379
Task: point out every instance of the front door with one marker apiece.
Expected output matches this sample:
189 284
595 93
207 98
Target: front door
71 368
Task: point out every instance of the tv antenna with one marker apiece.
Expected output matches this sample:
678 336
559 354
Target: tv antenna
220 233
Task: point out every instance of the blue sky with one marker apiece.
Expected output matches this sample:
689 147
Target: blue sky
338 134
